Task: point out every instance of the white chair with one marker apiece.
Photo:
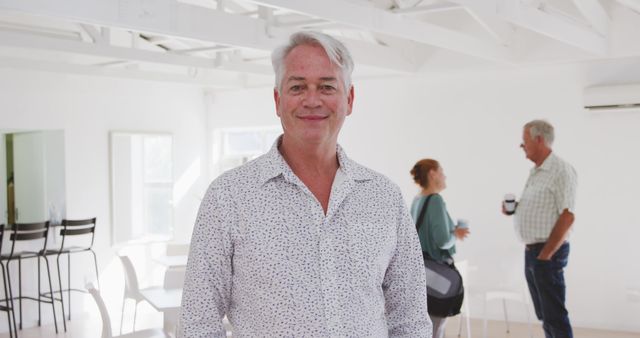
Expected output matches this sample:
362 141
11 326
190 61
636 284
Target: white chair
465 314
505 295
131 289
106 320
174 278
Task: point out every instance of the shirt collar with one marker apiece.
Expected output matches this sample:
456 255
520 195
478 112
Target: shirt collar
547 164
274 165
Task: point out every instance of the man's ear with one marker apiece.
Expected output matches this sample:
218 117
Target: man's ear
350 97
276 99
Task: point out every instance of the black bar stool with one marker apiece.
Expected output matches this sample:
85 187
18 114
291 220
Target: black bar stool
73 228
8 307
27 233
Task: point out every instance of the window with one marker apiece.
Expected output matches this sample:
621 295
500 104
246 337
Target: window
236 146
142 182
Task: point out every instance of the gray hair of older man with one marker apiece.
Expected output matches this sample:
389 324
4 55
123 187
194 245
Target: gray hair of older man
336 51
541 128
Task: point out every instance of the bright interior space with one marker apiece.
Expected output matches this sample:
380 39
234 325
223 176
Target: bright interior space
125 111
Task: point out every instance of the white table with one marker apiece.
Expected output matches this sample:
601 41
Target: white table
166 301
172 261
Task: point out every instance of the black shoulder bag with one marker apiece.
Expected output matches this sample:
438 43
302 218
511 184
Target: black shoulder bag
445 291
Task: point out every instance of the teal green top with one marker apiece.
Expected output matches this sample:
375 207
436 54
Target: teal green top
436 232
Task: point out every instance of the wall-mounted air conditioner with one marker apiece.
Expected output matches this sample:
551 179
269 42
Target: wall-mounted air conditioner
612 98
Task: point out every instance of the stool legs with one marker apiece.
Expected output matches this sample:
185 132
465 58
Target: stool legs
13 312
53 298
62 291
20 288
40 299
68 283
69 289
9 304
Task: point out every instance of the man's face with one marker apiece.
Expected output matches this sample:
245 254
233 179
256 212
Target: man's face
530 145
313 102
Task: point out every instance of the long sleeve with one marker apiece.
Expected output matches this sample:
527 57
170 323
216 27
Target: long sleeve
404 284
207 289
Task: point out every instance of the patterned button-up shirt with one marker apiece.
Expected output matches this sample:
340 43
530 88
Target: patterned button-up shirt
550 189
264 253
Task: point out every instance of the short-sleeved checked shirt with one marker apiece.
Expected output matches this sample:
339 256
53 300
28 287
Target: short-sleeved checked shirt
550 189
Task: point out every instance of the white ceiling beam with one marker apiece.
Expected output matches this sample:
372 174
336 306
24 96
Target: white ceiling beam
433 8
304 23
94 33
50 32
123 53
209 78
535 19
175 19
388 23
631 4
500 30
595 14
216 48
164 17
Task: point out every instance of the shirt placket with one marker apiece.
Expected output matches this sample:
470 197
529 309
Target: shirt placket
330 233
328 277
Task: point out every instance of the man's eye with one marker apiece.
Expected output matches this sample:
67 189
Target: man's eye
295 88
327 88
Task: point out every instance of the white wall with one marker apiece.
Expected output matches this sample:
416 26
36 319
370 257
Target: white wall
86 109
472 124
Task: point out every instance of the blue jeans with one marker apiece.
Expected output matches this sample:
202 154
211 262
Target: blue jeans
547 288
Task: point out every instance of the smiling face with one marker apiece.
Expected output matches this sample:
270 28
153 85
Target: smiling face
312 103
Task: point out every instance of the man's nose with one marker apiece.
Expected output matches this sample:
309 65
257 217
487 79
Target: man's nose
312 98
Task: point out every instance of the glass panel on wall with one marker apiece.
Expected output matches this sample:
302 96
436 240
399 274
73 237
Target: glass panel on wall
142 186
32 172
240 145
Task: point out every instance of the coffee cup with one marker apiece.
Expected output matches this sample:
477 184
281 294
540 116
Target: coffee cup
509 204
463 223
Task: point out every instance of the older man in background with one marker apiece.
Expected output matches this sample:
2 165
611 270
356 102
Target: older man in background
543 219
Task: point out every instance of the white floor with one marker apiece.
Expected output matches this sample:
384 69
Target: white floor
88 324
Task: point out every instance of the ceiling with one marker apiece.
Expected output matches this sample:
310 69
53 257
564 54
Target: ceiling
227 43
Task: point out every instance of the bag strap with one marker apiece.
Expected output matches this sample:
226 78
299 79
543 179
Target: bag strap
423 211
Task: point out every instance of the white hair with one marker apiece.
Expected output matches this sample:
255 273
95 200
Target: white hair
541 128
336 51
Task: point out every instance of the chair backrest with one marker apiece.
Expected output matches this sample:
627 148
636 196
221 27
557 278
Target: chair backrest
76 228
104 314
22 232
174 278
131 286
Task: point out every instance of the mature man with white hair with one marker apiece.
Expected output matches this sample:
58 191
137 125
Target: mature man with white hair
543 217
303 241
